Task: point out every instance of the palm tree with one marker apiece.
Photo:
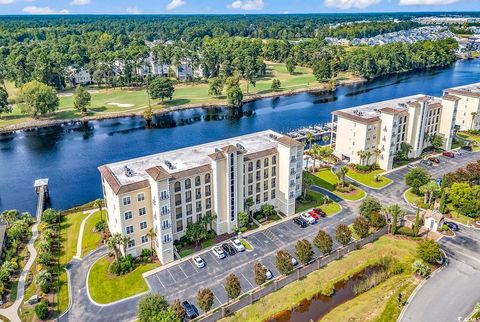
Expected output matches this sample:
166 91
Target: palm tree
99 203
306 183
151 235
208 219
428 190
340 173
377 152
123 241
314 152
325 139
361 155
248 204
310 138
474 115
368 155
112 243
44 278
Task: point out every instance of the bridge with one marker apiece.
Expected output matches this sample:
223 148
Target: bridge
41 188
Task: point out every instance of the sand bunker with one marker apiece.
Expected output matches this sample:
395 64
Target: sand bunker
120 104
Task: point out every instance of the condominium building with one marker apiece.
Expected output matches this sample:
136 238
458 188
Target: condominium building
168 191
375 132
468 113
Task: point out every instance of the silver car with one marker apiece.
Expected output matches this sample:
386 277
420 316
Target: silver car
199 262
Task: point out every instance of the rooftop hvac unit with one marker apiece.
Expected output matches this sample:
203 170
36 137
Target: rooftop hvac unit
169 165
128 171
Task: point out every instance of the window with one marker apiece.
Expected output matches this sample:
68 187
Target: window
128 215
273 194
197 181
250 177
250 190
129 229
274 171
163 195
198 193
189 209
165 224
257 176
265 196
141 197
142 211
207 178
257 187
208 203
188 196
257 199
259 164
144 239
179 225
165 210
189 221
265 185
143 225
274 159
250 166
167 238
178 212
177 186
198 206
265 162
131 243
178 199
208 190
274 182
188 183
126 201
265 173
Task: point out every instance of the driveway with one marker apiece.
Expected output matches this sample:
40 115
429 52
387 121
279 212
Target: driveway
454 290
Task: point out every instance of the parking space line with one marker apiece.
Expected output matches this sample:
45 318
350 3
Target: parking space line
180 266
158 278
217 298
247 280
193 265
168 270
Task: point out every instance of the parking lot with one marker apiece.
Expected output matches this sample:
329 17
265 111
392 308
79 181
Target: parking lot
185 279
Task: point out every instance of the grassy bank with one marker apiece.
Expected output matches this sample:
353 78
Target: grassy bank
368 179
328 180
91 239
106 288
121 100
289 296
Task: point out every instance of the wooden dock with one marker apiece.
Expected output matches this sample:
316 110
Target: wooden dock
41 188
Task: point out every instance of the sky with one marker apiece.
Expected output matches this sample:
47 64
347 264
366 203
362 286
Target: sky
229 6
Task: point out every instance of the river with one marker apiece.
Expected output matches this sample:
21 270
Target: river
69 156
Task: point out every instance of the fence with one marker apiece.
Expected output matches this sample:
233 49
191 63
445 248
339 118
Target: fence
281 281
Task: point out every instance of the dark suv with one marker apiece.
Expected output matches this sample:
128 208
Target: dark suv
300 221
467 148
229 249
190 310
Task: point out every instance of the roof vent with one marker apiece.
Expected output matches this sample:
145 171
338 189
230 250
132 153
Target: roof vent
273 136
241 147
128 171
169 165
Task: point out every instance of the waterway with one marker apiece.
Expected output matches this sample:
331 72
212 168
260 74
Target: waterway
69 156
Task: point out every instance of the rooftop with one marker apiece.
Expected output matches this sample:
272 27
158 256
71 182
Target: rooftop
371 112
182 160
472 89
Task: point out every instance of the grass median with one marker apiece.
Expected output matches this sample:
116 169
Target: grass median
291 295
105 287
316 200
368 179
326 179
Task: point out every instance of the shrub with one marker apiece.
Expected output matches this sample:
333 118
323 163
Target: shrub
370 206
323 242
343 234
377 220
283 262
429 251
50 216
149 306
361 226
125 265
416 178
101 226
405 231
328 289
41 310
421 268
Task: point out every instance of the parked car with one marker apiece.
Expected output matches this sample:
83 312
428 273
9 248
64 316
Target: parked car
411 166
434 160
238 244
190 310
229 249
319 212
457 152
467 148
308 218
426 162
300 221
294 261
218 252
199 262
453 226
268 273
313 215
448 154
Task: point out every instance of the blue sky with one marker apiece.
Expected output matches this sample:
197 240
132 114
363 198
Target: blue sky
228 6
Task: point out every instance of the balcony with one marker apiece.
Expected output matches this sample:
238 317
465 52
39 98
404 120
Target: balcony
165 212
164 197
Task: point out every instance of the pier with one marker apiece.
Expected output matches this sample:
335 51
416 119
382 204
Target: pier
41 188
318 131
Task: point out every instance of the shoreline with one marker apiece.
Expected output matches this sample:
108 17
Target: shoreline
39 123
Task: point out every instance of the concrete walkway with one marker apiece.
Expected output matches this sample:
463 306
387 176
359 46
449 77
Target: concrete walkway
12 311
78 255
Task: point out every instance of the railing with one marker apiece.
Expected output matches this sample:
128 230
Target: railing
283 280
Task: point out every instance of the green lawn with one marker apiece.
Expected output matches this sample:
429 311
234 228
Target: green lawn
452 213
292 294
413 198
327 179
472 138
368 179
317 202
91 239
106 288
104 101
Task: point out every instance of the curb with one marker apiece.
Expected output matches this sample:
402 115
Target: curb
419 286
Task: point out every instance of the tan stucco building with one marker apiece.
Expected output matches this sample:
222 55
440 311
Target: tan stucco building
381 128
167 191
468 112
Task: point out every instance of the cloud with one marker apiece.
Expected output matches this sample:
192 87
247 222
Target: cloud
247 4
134 10
348 4
34 10
80 2
174 4
425 2
6 1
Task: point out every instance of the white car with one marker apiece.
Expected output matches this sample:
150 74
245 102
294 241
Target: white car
308 218
269 274
294 261
238 244
218 252
199 262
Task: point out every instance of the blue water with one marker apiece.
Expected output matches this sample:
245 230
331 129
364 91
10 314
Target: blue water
69 156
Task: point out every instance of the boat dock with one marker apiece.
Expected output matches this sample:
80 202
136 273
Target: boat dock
318 131
41 188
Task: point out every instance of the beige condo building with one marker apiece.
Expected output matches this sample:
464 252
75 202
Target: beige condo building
167 191
379 129
468 112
